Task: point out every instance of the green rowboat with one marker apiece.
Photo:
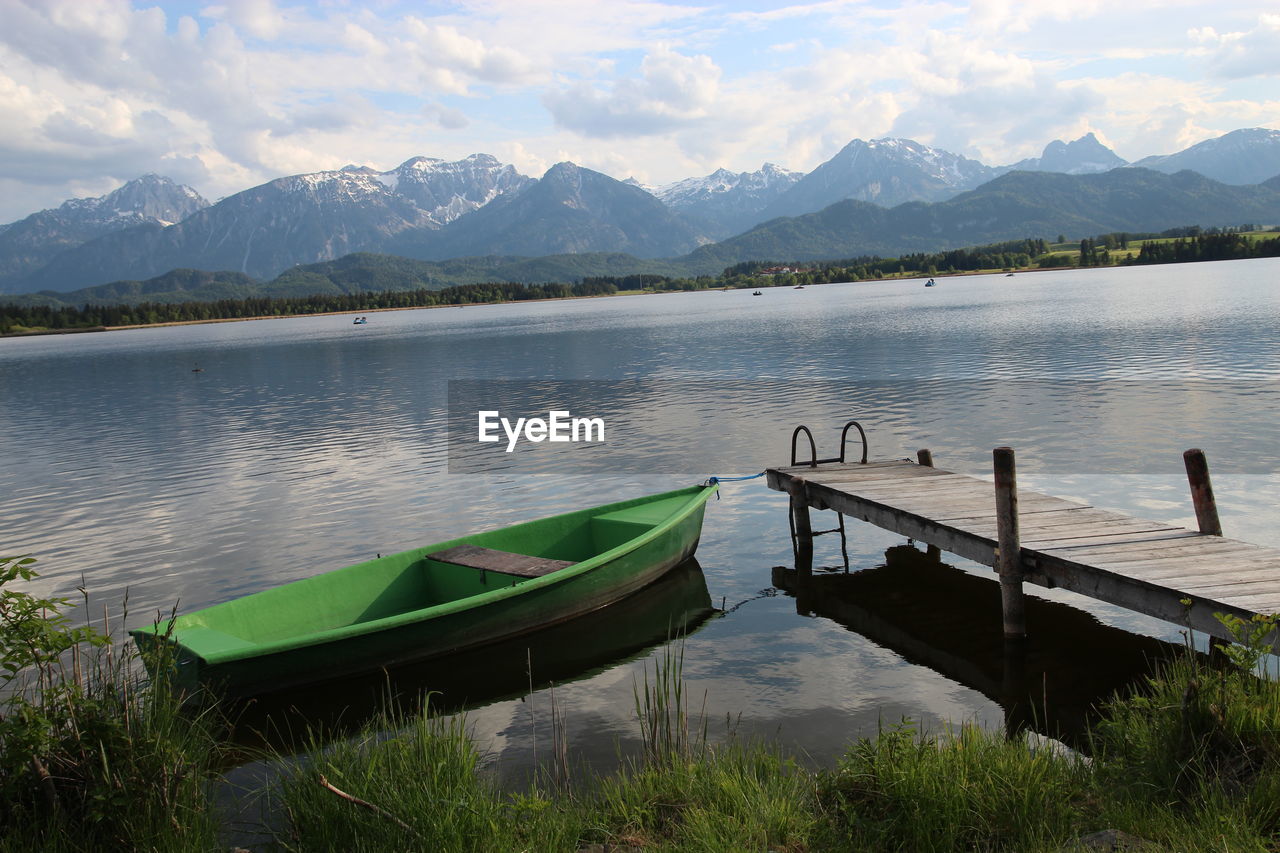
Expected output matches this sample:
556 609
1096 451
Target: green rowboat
675 605
432 601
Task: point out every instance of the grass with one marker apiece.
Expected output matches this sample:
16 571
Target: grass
419 788
1191 763
423 788
91 756
970 791
92 759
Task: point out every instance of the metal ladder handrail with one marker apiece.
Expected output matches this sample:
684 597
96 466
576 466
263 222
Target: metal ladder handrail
844 433
814 461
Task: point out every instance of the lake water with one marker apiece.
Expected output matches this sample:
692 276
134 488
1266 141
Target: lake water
307 444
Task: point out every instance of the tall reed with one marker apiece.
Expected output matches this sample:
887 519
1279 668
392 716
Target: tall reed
663 712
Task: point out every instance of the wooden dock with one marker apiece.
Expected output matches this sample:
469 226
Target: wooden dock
1146 566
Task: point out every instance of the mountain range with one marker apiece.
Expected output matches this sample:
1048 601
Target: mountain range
885 196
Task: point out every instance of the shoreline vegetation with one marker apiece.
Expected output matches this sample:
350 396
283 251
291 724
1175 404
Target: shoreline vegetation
1181 245
93 759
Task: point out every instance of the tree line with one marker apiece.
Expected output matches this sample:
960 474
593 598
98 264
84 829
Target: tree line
1208 247
21 317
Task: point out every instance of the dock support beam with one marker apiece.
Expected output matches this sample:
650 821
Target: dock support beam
1202 492
801 526
1009 558
1015 691
925 457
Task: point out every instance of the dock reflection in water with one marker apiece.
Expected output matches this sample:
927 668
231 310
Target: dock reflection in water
938 616
676 604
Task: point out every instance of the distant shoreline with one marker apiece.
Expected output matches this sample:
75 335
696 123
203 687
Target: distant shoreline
35 333
40 332
361 312
364 311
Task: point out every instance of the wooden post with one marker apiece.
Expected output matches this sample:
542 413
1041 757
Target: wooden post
1015 693
802 526
1202 492
925 457
1009 558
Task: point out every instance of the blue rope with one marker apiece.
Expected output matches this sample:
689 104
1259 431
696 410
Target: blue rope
713 481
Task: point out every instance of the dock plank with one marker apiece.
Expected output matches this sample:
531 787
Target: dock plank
1191 572
1093 539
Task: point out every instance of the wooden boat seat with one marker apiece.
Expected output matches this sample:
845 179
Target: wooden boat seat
504 562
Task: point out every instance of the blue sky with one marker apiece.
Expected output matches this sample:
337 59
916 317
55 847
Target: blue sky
224 96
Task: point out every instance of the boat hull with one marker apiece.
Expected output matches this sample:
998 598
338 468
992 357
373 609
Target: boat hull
503 608
675 605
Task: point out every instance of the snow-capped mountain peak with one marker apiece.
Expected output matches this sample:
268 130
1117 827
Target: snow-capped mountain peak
886 172
150 198
440 190
746 184
1247 156
726 202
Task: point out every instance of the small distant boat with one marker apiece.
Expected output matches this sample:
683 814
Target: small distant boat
757 293
432 601
799 287
930 283
359 321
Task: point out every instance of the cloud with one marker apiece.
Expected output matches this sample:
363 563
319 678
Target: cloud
1249 53
448 118
672 92
444 48
259 19
973 99
1001 16
236 93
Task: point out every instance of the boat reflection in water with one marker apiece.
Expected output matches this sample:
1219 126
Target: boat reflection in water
949 620
676 604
